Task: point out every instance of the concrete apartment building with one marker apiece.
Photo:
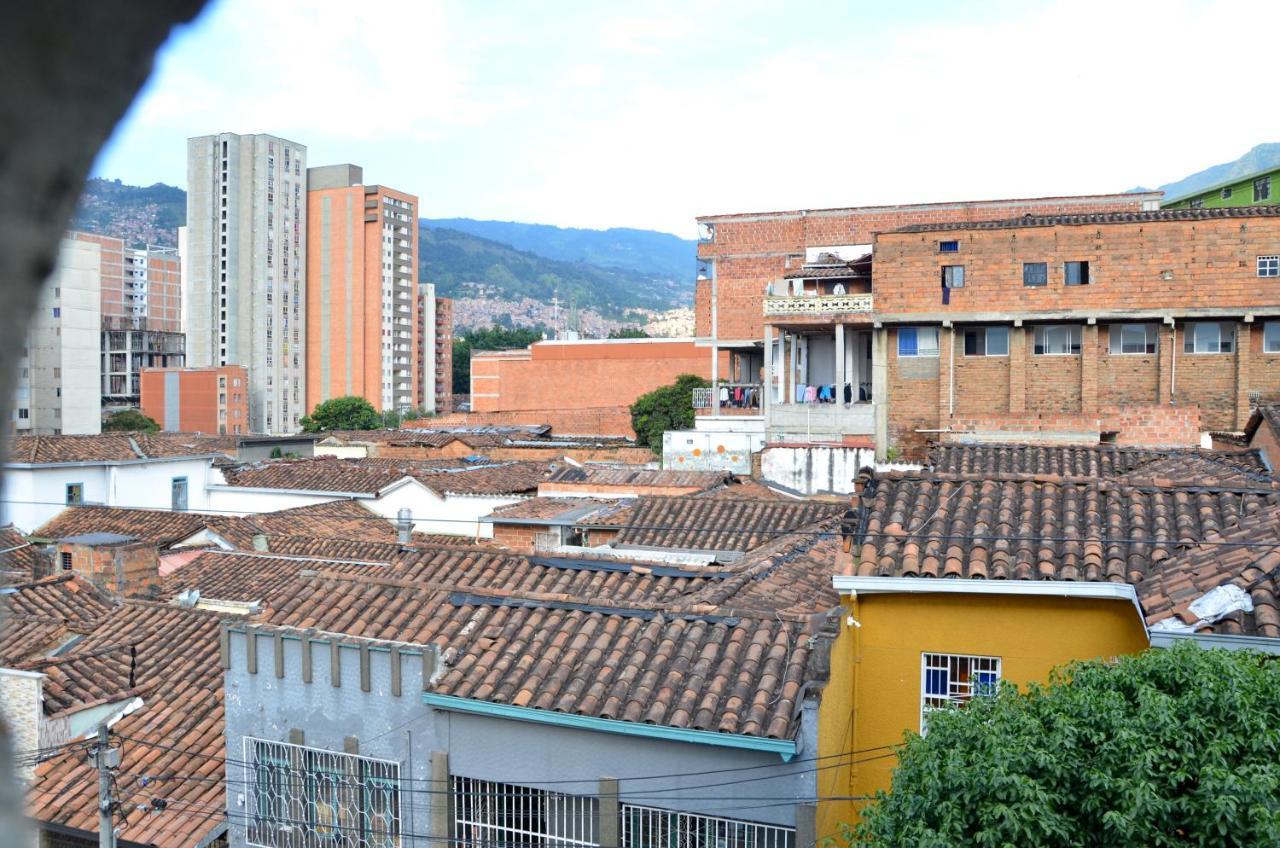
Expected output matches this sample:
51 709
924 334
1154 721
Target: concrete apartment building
198 400
59 389
141 316
435 357
246 246
363 293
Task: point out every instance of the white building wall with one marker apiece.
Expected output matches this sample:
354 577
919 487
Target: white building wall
456 515
238 500
32 496
58 385
246 256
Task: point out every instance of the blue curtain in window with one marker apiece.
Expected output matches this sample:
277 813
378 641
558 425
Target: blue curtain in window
908 345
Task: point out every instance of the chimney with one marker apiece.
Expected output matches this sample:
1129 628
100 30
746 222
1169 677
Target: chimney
404 525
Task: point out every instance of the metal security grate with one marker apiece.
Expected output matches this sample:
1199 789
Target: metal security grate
501 815
301 797
953 679
649 827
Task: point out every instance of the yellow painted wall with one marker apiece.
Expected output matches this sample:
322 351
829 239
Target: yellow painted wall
835 731
1031 635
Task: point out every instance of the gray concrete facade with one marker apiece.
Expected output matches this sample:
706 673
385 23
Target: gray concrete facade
246 255
275 691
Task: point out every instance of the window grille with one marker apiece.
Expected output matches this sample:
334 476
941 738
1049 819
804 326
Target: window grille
301 797
649 827
702 398
501 815
953 680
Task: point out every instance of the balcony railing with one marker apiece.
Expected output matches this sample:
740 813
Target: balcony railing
818 304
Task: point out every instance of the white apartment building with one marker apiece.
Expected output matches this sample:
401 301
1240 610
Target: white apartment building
59 388
245 251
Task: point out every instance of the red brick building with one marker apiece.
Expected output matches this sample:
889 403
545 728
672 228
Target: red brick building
589 383
197 400
741 254
1138 327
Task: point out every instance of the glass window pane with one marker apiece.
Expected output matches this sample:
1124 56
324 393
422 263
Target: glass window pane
1271 337
928 337
1035 273
997 341
907 343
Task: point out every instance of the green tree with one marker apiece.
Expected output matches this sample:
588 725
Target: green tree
494 338
628 333
1170 747
663 409
342 413
130 421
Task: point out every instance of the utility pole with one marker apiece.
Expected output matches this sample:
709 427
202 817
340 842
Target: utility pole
105 758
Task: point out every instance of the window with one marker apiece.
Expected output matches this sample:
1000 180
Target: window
75 494
57 312
65 559
952 680
309 796
1261 189
1209 337
953 276
1226 193
1075 273
1134 338
649 827
1198 203
179 495
948 247
1271 337
986 341
1057 340
488 814
1035 273
1269 266
917 341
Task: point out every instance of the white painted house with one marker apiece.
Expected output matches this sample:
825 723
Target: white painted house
44 474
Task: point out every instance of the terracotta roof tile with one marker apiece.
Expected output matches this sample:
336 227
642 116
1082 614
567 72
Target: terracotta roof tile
29 637
923 525
631 475
1168 593
62 597
20 560
567 510
339 519
247 577
162 527
364 476
107 447
179 678
711 524
1099 462
1095 218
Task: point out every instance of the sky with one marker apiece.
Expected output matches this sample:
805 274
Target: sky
646 114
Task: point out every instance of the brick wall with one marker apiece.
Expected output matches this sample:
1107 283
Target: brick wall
132 570
1148 264
752 250
517 537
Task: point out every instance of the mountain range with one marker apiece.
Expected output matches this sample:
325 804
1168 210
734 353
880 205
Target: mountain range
504 270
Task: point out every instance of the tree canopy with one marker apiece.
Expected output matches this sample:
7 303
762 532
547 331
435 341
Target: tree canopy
130 421
1170 747
666 408
342 413
628 333
494 338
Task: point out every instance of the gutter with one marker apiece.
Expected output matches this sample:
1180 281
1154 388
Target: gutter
227 487
1224 641
785 748
89 463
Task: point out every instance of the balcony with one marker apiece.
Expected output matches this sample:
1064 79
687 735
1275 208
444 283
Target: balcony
820 422
818 304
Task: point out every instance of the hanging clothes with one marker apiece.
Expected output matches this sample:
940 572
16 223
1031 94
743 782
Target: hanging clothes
848 393
810 394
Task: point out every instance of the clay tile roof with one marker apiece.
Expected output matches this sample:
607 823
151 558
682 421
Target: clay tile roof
84 678
631 475
566 510
244 576
1098 462
162 527
342 519
28 637
744 489
568 652
19 559
926 525
1170 594
716 524
62 597
365 550
1097 218
314 474
179 678
792 574
106 447
501 478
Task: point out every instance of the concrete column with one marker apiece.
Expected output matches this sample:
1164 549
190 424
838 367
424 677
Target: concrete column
842 375
766 381
1017 370
790 396
880 388
1089 369
1166 350
607 833
946 375
715 378
441 826
1244 339
806 824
